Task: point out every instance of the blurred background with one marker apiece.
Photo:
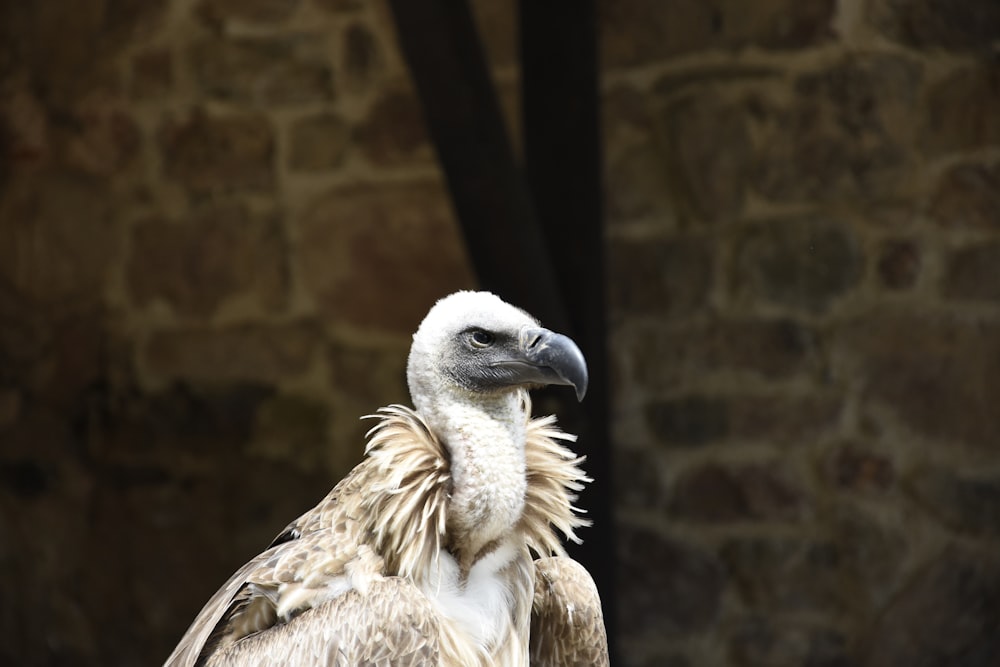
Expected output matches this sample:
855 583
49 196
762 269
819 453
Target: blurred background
221 220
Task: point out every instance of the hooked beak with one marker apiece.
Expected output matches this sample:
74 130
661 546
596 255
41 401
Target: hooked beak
546 357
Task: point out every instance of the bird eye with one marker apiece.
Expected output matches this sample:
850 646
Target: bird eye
481 338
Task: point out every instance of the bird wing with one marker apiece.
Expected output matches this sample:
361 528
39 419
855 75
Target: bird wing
391 623
567 624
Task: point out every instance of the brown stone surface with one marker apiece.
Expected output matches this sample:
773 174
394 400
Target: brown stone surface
899 264
212 152
759 641
58 238
664 277
281 71
845 134
690 578
665 358
945 616
936 374
962 111
152 74
801 263
196 265
789 574
970 26
967 502
968 197
708 182
394 133
360 56
634 32
638 184
973 273
318 143
360 248
754 491
265 12
248 353
855 468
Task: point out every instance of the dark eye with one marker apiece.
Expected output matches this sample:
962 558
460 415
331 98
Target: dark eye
481 338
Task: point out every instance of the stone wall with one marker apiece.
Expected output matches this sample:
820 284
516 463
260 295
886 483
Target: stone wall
220 220
803 223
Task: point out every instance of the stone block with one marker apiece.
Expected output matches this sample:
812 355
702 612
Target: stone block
639 483
843 135
856 468
258 353
667 278
638 185
58 238
899 263
965 502
152 74
758 640
666 358
968 197
219 152
803 263
937 374
716 493
635 32
360 57
370 376
789 575
218 13
318 143
291 429
962 111
925 25
199 264
946 615
654 569
381 256
709 183
973 273
394 132
282 70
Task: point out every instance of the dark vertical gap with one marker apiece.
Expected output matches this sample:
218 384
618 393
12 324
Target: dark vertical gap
439 40
562 152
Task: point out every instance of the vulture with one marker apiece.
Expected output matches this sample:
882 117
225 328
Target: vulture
443 546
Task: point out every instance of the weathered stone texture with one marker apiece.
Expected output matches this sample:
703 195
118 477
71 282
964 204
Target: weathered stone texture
947 616
248 353
845 134
936 374
962 112
665 358
318 143
669 277
754 491
804 264
973 273
280 71
641 31
394 133
265 12
211 152
58 237
920 24
358 247
968 197
899 264
197 265
690 578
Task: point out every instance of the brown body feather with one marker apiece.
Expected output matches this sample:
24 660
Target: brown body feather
353 569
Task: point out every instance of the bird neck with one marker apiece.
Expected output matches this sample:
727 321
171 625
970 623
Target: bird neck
484 436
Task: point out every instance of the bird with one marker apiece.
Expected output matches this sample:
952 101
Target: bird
444 546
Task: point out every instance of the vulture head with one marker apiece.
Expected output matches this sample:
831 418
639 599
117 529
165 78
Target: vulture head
473 347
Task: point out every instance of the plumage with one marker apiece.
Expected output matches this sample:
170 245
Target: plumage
422 555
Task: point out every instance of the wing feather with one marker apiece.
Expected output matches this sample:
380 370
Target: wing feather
567 623
392 623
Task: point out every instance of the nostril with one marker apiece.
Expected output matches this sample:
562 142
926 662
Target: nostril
534 341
